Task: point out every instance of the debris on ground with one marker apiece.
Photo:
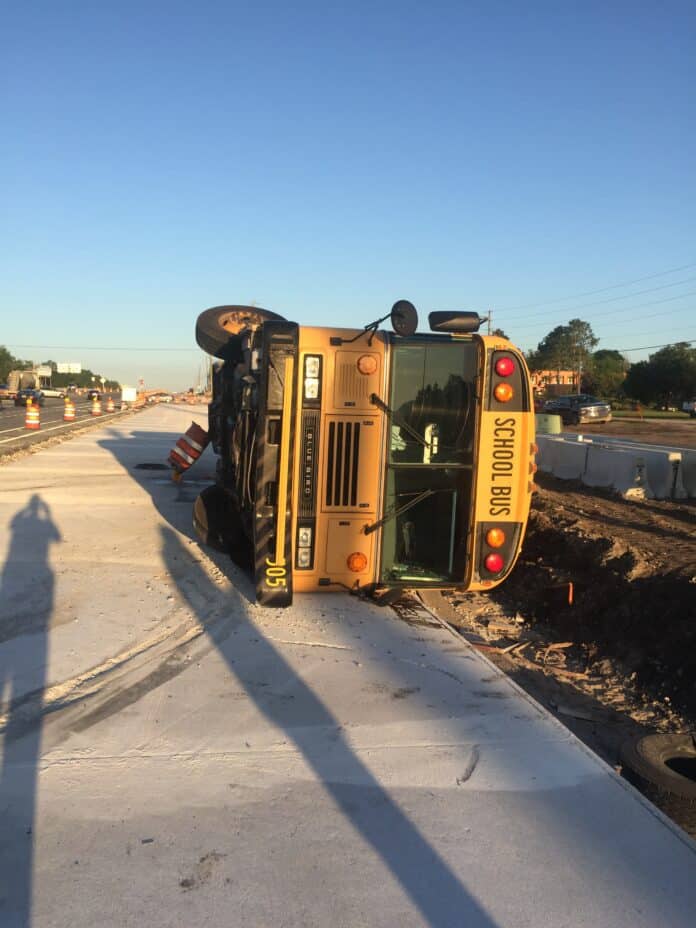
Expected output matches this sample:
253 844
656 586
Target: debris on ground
598 619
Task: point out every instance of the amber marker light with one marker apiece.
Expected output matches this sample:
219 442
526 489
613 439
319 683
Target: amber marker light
367 364
494 563
495 537
504 367
504 392
357 562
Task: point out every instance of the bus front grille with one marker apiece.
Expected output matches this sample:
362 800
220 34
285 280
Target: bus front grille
343 454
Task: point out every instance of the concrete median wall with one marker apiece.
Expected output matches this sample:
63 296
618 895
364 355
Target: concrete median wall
688 473
623 471
634 469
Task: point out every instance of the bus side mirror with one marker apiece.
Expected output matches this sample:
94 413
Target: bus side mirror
404 318
455 322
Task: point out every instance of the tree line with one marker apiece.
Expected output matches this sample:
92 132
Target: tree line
87 378
667 378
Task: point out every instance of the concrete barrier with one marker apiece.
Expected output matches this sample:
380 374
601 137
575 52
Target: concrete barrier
634 469
688 472
623 471
664 463
547 424
563 459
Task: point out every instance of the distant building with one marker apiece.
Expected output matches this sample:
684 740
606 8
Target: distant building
555 381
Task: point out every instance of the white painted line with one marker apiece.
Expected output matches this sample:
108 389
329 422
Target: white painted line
64 425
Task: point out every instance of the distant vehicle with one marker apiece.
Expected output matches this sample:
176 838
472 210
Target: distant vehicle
36 397
22 380
690 407
579 407
53 392
4 390
94 394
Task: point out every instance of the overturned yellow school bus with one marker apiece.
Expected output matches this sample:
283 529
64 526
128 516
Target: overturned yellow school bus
366 459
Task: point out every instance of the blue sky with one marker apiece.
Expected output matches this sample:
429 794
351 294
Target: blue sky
325 159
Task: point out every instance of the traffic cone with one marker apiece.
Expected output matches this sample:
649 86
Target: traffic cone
110 405
32 417
69 410
188 449
96 406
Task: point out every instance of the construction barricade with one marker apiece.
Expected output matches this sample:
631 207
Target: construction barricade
96 406
110 405
68 410
32 416
188 449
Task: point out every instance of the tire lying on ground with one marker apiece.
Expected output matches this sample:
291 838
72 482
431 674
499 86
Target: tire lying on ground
663 767
218 330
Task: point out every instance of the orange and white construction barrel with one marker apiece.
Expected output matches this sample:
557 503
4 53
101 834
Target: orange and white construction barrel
96 406
32 417
188 448
68 410
110 405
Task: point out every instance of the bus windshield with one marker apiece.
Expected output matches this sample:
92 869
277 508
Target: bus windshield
432 391
432 395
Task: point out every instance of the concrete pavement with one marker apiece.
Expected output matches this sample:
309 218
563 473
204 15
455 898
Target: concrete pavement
209 762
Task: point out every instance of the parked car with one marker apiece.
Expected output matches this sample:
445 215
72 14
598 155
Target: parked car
690 407
579 407
22 396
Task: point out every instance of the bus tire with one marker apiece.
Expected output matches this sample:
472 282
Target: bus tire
663 765
218 330
218 525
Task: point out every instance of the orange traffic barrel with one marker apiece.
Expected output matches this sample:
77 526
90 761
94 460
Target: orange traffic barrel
69 410
96 406
188 448
110 405
32 417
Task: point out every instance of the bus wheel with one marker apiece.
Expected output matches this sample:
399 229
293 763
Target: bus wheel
218 330
218 525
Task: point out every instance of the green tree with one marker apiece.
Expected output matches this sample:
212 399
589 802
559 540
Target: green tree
8 362
606 373
567 347
668 377
500 334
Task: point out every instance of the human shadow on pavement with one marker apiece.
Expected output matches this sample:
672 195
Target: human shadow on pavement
26 604
424 875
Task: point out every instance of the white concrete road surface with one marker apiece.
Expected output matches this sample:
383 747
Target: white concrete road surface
174 755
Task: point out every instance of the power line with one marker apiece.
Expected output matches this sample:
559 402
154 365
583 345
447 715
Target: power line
612 299
617 312
577 296
679 341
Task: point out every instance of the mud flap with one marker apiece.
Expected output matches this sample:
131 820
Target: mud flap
275 442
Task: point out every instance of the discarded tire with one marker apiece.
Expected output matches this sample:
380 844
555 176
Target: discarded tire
663 766
218 329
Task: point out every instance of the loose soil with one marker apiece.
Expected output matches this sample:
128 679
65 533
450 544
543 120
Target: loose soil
598 618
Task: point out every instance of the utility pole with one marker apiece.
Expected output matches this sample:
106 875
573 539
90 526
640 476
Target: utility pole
490 316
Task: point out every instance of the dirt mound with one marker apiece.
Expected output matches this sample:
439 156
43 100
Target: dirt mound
629 603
